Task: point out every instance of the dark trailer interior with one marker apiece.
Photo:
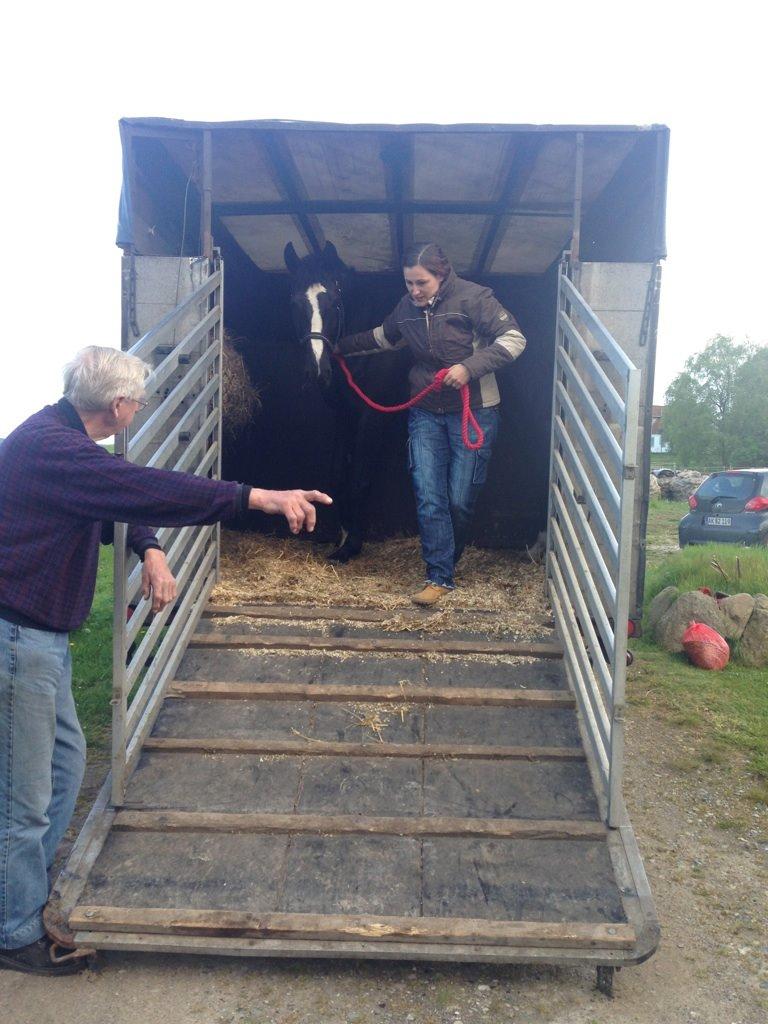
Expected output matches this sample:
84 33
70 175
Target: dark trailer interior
504 201
253 808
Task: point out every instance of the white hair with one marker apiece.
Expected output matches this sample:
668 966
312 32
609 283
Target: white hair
98 375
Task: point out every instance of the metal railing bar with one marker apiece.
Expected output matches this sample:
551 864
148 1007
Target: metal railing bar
615 804
601 757
136 663
584 597
618 357
594 505
601 380
176 642
592 412
591 454
172 441
577 517
172 556
587 676
160 416
170 363
165 534
144 692
157 333
119 691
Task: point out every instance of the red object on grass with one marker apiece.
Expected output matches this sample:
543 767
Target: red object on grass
705 647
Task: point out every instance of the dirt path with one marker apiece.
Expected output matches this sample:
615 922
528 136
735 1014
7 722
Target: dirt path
706 854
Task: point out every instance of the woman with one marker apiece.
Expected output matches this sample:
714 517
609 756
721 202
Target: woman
448 323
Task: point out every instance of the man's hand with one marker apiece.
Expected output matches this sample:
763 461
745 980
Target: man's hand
296 506
157 579
457 376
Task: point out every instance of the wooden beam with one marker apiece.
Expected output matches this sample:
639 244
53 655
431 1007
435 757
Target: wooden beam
405 208
311 612
377 694
403 645
577 935
288 180
354 824
311 747
524 153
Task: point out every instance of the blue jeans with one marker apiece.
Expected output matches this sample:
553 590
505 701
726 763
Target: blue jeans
447 480
42 761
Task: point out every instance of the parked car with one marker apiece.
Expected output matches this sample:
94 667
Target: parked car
729 507
663 472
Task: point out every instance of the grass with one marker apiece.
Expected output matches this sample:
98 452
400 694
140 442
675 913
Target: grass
744 570
726 711
92 660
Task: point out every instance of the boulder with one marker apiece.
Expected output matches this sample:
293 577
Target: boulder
655 489
753 647
682 485
659 606
691 607
736 611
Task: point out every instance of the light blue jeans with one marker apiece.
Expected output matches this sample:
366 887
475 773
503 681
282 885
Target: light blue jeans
42 761
447 481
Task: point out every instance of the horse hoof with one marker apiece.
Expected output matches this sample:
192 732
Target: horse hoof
344 552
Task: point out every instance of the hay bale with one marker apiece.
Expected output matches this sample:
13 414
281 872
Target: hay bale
240 399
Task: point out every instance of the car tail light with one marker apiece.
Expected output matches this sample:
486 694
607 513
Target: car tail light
692 502
756 505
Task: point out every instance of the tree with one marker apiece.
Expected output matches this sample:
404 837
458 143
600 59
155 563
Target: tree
749 419
699 415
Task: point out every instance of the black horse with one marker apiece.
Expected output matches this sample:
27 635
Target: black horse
327 302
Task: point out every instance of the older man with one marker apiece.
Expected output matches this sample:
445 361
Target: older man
60 494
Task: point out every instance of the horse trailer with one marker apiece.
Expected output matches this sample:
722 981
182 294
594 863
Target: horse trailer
240 817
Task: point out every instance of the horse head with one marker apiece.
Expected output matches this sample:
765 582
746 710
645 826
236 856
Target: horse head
316 306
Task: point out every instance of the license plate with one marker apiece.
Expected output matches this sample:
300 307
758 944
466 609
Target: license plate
717 520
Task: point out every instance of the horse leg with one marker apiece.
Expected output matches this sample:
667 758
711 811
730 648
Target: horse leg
363 466
340 475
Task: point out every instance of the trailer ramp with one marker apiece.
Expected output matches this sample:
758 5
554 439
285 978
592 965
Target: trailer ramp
422 803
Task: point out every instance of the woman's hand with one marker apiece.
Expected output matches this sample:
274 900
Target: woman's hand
296 506
457 376
157 580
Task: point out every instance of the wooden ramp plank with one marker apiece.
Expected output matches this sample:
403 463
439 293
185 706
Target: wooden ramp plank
404 694
405 645
346 926
374 748
333 613
325 824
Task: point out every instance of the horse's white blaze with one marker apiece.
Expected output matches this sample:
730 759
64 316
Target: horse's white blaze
316 324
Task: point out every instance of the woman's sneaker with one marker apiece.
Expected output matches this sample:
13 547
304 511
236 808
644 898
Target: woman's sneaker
43 957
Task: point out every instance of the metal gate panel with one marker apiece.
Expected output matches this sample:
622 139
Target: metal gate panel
595 415
180 430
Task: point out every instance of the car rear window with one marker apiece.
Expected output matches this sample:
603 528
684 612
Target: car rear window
729 485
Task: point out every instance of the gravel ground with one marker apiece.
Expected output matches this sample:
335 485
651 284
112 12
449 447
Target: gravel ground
705 852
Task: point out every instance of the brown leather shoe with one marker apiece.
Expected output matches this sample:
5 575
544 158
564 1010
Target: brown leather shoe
430 595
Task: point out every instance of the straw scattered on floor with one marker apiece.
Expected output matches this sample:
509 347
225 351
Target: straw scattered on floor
267 570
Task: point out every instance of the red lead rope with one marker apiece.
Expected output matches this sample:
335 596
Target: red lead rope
467 417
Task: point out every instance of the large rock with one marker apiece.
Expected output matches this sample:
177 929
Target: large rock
691 607
680 486
659 606
753 648
654 490
736 612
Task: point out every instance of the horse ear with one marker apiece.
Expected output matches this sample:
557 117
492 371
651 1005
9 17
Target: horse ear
332 257
291 259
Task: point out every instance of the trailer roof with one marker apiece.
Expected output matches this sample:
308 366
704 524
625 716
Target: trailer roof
500 198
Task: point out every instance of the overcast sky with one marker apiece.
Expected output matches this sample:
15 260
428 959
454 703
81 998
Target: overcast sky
70 72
